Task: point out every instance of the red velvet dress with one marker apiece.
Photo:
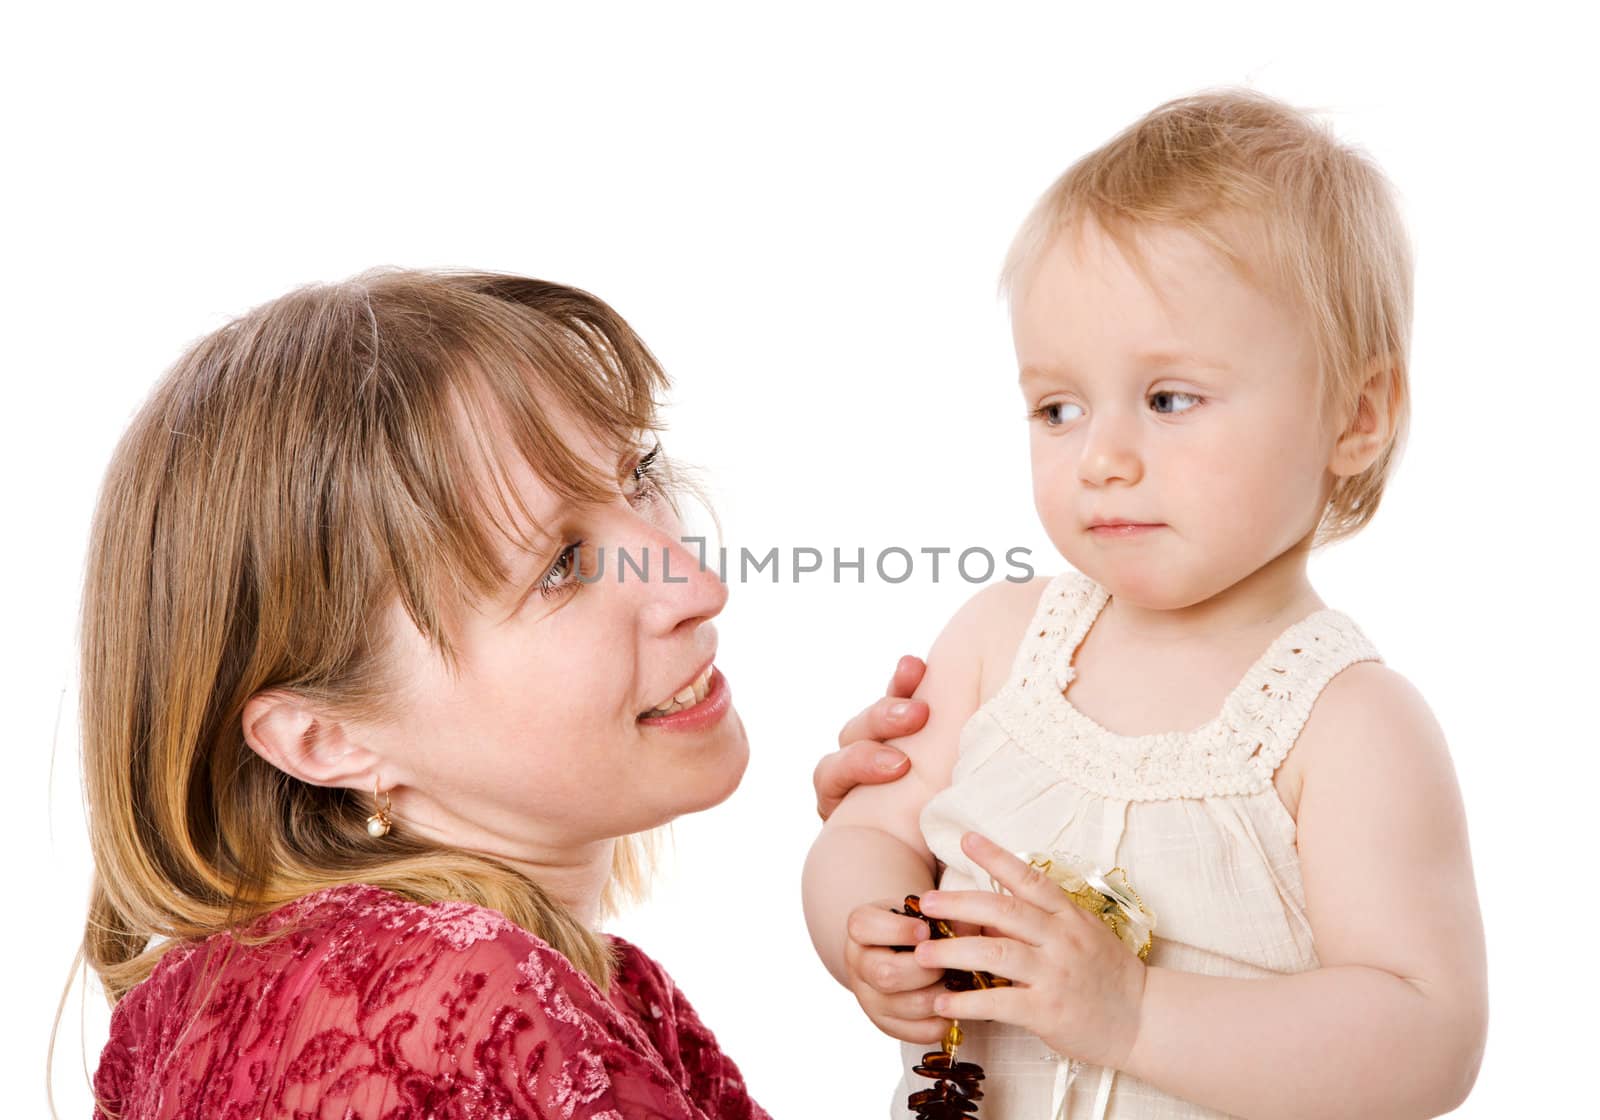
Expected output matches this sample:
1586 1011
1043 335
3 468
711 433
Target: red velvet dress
379 1008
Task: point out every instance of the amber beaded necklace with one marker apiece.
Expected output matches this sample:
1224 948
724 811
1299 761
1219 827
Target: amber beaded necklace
956 1091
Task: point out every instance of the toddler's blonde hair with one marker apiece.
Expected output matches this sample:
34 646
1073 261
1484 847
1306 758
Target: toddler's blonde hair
1320 226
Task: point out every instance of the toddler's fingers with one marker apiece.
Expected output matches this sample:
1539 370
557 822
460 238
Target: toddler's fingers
1000 956
912 1006
1012 916
889 972
1005 1005
924 1031
878 925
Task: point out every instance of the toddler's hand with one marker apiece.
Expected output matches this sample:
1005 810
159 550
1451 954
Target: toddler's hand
893 989
1074 984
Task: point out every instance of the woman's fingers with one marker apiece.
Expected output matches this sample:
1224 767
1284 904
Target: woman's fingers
863 758
863 763
907 675
894 715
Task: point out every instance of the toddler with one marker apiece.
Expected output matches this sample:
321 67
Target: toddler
1211 316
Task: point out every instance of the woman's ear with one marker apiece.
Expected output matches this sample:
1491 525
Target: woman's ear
305 744
1371 429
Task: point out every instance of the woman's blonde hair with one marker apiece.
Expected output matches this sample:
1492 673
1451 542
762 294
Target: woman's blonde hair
1320 224
294 473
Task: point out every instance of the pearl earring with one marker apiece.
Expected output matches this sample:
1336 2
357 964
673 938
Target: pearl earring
378 824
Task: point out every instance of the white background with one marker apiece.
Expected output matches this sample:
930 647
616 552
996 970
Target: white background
803 210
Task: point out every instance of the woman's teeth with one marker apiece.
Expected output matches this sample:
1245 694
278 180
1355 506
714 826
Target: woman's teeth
690 696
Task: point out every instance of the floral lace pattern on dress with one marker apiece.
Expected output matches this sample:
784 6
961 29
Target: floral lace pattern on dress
379 1008
1236 753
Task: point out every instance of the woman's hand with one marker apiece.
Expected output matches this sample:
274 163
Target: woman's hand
894 990
1074 984
862 757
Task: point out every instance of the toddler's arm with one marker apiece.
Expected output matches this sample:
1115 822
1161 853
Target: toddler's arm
1393 1022
871 854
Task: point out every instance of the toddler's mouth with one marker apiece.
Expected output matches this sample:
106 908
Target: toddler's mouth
1122 528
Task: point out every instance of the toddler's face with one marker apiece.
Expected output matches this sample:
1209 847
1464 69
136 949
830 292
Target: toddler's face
1185 403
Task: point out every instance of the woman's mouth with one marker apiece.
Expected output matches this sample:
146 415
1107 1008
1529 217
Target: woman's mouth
686 697
707 702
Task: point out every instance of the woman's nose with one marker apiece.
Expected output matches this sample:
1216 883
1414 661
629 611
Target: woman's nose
1110 451
676 588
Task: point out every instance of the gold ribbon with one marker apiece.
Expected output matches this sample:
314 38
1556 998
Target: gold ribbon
1109 896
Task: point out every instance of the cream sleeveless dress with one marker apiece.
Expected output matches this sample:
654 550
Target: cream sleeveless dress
1192 817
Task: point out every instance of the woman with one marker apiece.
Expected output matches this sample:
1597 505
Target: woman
373 731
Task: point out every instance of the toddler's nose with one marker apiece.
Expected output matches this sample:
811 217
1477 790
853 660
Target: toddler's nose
1110 452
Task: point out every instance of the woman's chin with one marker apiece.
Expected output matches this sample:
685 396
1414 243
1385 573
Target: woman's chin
707 774
732 757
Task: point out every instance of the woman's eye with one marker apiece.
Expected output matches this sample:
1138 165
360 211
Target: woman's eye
645 478
1051 413
559 577
1169 395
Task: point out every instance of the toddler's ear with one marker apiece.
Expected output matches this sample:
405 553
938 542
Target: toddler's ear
1371 429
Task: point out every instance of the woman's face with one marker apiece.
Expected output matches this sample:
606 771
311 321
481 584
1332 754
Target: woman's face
539 742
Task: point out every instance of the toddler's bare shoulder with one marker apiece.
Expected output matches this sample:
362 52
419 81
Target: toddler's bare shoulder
1368 716
1000 613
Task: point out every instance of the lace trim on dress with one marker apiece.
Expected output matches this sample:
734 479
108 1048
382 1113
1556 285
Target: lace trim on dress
1236 753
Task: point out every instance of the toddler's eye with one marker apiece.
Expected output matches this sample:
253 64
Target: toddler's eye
1168 395
1051 413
